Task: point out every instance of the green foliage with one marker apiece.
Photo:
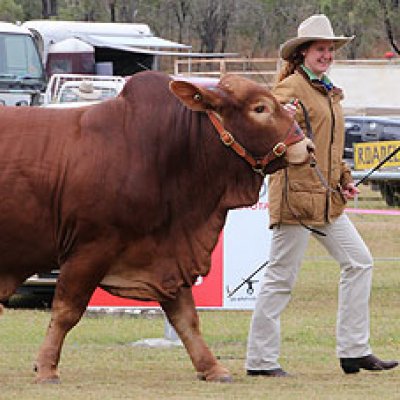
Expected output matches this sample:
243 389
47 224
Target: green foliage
10 11
83 10
32 9
248 27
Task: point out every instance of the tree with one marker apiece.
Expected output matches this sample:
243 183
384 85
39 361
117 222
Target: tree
248 27
350 18
32 9
128 10
211 21
82 10
277 21
391 12
10 11
181 11
49 8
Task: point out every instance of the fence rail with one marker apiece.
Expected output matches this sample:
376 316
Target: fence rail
377 175
262 70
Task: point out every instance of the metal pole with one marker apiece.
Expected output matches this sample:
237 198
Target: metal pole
169 331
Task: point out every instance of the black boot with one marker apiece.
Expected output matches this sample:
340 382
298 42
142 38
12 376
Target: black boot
370 362
276 373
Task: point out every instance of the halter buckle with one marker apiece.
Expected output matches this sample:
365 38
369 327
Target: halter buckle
279 149
227 138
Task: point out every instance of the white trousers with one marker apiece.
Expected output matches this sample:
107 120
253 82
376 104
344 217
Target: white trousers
289 243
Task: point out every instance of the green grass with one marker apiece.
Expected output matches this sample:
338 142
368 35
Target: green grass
99 362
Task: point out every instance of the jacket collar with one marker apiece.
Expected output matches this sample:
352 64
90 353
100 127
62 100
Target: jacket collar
314 78
324 86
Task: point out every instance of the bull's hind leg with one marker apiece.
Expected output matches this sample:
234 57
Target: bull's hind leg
182 315
76 283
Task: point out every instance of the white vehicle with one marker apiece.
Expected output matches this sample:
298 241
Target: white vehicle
116 48
63 89
22 76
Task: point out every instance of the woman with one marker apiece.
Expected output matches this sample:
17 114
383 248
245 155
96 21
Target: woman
307 200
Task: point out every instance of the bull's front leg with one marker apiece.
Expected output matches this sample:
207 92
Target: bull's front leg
183 316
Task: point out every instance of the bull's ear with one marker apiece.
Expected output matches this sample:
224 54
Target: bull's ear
194 97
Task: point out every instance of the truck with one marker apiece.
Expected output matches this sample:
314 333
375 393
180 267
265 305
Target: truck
372 127
62 89
369 140
31 52
22 75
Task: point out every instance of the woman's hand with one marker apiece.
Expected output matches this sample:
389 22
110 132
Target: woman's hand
291 108
349 191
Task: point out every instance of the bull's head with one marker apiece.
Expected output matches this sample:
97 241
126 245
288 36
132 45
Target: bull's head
249 119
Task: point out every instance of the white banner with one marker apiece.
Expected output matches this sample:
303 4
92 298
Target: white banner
246 248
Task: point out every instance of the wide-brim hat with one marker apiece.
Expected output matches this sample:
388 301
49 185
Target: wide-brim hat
316 27
86 91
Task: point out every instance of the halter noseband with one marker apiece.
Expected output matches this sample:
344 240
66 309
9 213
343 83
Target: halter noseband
293 135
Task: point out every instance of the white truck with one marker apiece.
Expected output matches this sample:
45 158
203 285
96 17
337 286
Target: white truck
62 89
22 76
372 107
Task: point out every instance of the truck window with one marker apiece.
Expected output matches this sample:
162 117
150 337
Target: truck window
19 56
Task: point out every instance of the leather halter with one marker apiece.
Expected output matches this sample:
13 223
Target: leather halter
293 135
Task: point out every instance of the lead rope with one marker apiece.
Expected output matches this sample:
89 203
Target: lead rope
308 227
313 164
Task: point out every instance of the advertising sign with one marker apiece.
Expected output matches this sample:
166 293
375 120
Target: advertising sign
246 249
369 154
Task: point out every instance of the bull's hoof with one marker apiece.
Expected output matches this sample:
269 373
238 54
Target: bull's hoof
225 378
52 378
48 381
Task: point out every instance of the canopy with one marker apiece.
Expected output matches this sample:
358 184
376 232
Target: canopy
133 37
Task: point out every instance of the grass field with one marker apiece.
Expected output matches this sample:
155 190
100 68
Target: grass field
99 361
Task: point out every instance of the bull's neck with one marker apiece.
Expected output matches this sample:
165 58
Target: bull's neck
222 166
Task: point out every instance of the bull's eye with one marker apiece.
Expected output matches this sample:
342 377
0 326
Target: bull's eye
259 109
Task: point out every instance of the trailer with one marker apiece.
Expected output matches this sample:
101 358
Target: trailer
100 47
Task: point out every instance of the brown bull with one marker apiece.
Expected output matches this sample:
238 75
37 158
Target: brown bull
131 194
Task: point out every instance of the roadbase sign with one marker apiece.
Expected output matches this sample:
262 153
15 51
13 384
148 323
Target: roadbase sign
369 154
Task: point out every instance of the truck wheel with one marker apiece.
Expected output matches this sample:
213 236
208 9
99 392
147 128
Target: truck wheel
5 303
382 188
388 194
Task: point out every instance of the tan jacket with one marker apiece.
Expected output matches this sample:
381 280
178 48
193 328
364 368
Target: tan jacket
297 194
